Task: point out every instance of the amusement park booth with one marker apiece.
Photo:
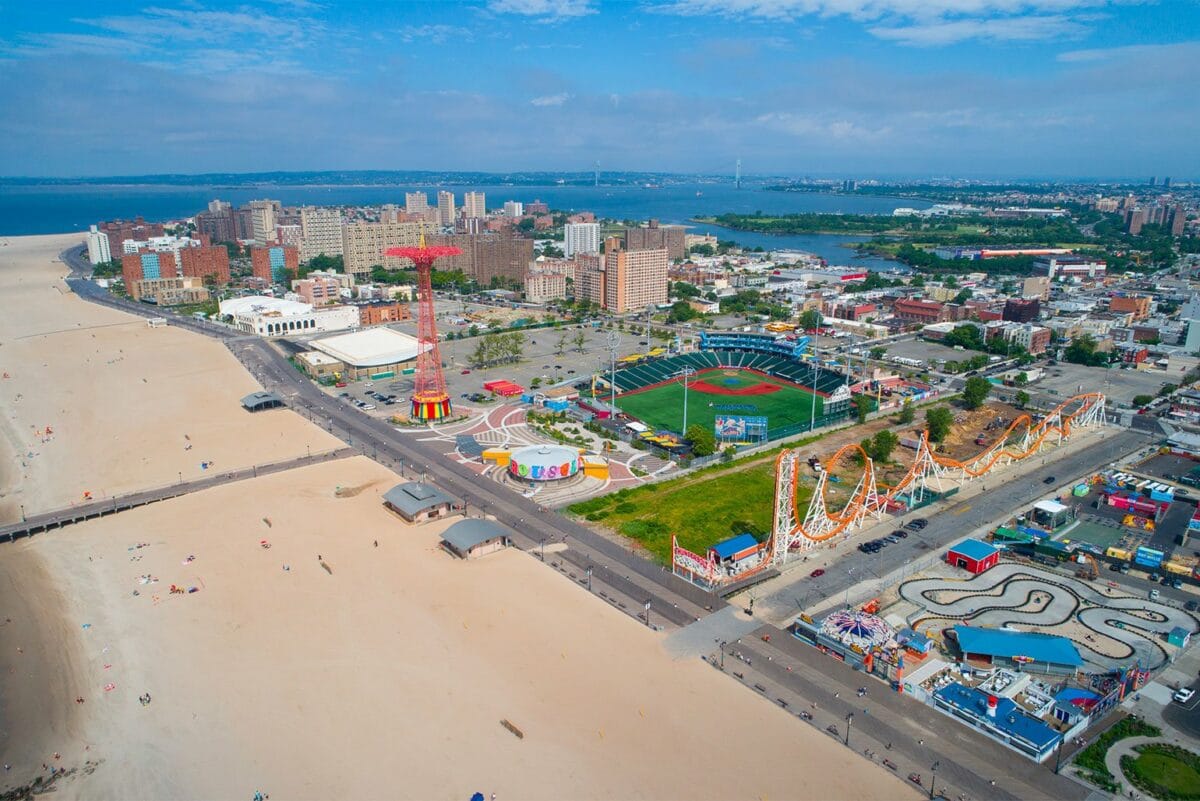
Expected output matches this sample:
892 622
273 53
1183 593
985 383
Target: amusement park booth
1019 650
736 553
1052 515
974 556
472 538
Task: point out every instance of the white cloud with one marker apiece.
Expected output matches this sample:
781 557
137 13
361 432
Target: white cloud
1004 29
438 34
550 100
549 9
1163 52
919 22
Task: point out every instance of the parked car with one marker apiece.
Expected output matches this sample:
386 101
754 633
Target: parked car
1191 606
466 372
1049 480
816 573
1176 584
1153 595
1183 695
368 407
901 533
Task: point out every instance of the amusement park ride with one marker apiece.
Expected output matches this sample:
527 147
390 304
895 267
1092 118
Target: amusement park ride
794 530
430 400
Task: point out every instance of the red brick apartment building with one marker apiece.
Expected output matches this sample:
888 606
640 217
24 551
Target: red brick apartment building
920 311
205 261
137 266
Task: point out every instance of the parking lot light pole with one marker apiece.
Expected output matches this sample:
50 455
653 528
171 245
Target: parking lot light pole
933 778
849 721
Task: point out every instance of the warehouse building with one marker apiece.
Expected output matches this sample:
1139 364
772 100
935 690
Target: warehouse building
375 353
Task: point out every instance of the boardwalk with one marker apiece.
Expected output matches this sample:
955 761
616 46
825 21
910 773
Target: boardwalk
92 509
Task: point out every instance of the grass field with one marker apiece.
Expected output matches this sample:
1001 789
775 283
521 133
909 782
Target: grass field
662 407
1165 771
700 509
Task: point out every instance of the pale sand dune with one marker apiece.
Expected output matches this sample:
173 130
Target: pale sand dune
119 396
389 677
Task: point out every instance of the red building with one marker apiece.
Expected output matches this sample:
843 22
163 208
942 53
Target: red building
138 266
205 261
382 311
974 556
920 311
120 230
276 264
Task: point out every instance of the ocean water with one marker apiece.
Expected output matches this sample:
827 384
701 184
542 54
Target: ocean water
60 209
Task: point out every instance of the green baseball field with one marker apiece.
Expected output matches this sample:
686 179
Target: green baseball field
722 392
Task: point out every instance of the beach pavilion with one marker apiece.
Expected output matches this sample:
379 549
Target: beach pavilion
475 537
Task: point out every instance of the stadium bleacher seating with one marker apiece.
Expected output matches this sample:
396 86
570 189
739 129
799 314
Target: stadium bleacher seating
658 370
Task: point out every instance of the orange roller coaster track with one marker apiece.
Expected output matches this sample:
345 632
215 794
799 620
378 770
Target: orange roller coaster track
793 530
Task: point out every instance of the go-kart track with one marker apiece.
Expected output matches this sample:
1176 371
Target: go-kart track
1110 630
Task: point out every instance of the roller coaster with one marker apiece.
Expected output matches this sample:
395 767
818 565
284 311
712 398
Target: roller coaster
797 530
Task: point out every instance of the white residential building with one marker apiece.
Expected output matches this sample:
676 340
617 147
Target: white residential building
445 208
474 204
97 245
262 221
513 208
416 202
320 232
581 238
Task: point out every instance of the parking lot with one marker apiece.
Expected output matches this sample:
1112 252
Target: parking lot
1120 386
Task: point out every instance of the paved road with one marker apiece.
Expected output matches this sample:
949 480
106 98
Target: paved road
120 503
964 756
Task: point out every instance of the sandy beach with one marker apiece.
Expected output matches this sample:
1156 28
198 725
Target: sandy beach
386 675
96 401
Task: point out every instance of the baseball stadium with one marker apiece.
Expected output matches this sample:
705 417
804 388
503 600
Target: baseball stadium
745 387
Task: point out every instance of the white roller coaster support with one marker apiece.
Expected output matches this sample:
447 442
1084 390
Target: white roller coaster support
817 525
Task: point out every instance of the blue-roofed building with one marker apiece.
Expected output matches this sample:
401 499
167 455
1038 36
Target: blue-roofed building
735 549
974 556
1002 719
1021 650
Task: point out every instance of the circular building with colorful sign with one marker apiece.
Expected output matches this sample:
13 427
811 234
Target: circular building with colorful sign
544 463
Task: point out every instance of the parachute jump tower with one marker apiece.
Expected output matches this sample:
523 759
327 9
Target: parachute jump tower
430 400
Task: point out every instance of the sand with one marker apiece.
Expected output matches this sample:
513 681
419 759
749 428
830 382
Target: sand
123 400
390 675
385 676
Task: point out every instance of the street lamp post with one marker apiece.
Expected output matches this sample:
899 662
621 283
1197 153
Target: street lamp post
648 615
589 578
722 646
849 721
686 372
849 570
933 778
542 547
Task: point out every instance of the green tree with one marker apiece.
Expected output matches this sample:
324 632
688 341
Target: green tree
1022 379
683 289
561 345
864 404
883 444
1022 399
938 422
1082 350
907 413
1142 400
810 319
535 382
878 352
704 442
681 311
580 340
976 391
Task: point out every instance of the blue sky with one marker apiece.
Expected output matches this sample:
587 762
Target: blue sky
923 88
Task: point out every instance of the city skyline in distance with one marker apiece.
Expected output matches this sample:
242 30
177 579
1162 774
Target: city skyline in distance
1042 88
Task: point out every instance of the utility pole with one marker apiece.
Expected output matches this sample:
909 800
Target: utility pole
812 419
